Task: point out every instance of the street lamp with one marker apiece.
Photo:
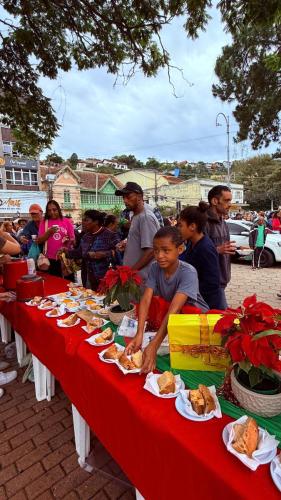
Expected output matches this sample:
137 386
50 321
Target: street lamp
227 145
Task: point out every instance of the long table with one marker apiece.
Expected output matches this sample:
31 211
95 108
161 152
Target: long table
164 455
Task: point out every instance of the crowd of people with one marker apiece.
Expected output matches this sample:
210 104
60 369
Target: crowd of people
185 261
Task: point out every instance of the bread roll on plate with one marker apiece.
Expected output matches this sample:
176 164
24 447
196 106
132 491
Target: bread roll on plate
246 437
166 383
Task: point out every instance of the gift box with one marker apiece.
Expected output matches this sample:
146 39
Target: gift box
193 343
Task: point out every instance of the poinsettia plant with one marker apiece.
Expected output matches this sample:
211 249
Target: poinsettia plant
122 285
252 335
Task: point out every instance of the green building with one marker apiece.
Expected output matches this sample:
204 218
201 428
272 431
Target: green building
98 191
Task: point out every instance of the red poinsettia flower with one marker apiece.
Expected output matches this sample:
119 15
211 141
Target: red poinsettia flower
250 333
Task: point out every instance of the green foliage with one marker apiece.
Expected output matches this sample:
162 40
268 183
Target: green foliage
249 70
123 294
261 177
41 38
129 160
54 159
73 160
153 164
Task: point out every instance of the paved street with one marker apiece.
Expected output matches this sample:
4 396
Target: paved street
245 281
37 454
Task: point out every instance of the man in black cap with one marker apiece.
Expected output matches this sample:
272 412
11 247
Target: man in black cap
144 225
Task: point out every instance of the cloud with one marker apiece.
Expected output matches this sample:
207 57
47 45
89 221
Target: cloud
144 117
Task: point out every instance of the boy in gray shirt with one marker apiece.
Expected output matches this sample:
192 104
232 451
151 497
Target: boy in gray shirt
173 280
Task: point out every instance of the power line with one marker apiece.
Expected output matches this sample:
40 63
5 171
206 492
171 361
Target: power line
163 144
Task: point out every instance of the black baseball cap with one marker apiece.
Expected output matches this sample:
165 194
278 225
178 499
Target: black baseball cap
130 187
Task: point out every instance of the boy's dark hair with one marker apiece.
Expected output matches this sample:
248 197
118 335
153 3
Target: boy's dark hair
216 192
169 232
196 215
95 215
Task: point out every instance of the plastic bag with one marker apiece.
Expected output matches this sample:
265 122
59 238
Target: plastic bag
34 252
43 262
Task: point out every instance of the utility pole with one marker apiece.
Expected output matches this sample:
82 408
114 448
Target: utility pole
2 162
155 187
97 184
227 144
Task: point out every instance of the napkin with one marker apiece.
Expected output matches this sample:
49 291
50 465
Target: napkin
152 386
276 467
266 446
188 406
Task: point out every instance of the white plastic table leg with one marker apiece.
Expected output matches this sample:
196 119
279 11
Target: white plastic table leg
21 348
43 379
5 327
82 438
139 495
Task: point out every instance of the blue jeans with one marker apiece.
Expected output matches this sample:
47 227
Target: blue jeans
222 299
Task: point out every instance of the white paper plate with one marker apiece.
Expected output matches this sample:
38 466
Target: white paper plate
72 309
182 409
84 327
31 305
262 459
110 361
63 325
151 386
58 296
42 308
92 340
276 478
99 298
127 372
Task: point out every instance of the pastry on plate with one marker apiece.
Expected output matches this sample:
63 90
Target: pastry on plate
166 383
201 399
209 401
67 301
94 307
72 304
106 335
46 304
137 359
90 302
112 352
246 437
126 362
197 401
36 300
71 320
90 327
54 312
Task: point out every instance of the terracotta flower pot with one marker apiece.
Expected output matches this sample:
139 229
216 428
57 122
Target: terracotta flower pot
117 317
265 405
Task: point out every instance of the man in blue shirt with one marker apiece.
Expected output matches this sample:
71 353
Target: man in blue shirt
31 228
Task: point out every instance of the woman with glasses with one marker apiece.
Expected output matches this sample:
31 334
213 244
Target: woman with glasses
55 232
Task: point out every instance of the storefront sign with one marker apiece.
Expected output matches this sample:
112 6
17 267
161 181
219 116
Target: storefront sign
18 202
20 163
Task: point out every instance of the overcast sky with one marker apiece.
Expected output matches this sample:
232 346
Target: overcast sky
144 118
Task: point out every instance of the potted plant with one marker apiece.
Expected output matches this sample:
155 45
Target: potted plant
252 335
121 285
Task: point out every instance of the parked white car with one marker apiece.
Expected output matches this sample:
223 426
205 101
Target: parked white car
239 232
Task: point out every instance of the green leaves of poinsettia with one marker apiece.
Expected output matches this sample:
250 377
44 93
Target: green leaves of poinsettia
266 333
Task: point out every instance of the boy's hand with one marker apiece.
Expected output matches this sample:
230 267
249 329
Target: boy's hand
134 345
149 358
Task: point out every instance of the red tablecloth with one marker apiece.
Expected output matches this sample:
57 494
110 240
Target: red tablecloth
163 454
